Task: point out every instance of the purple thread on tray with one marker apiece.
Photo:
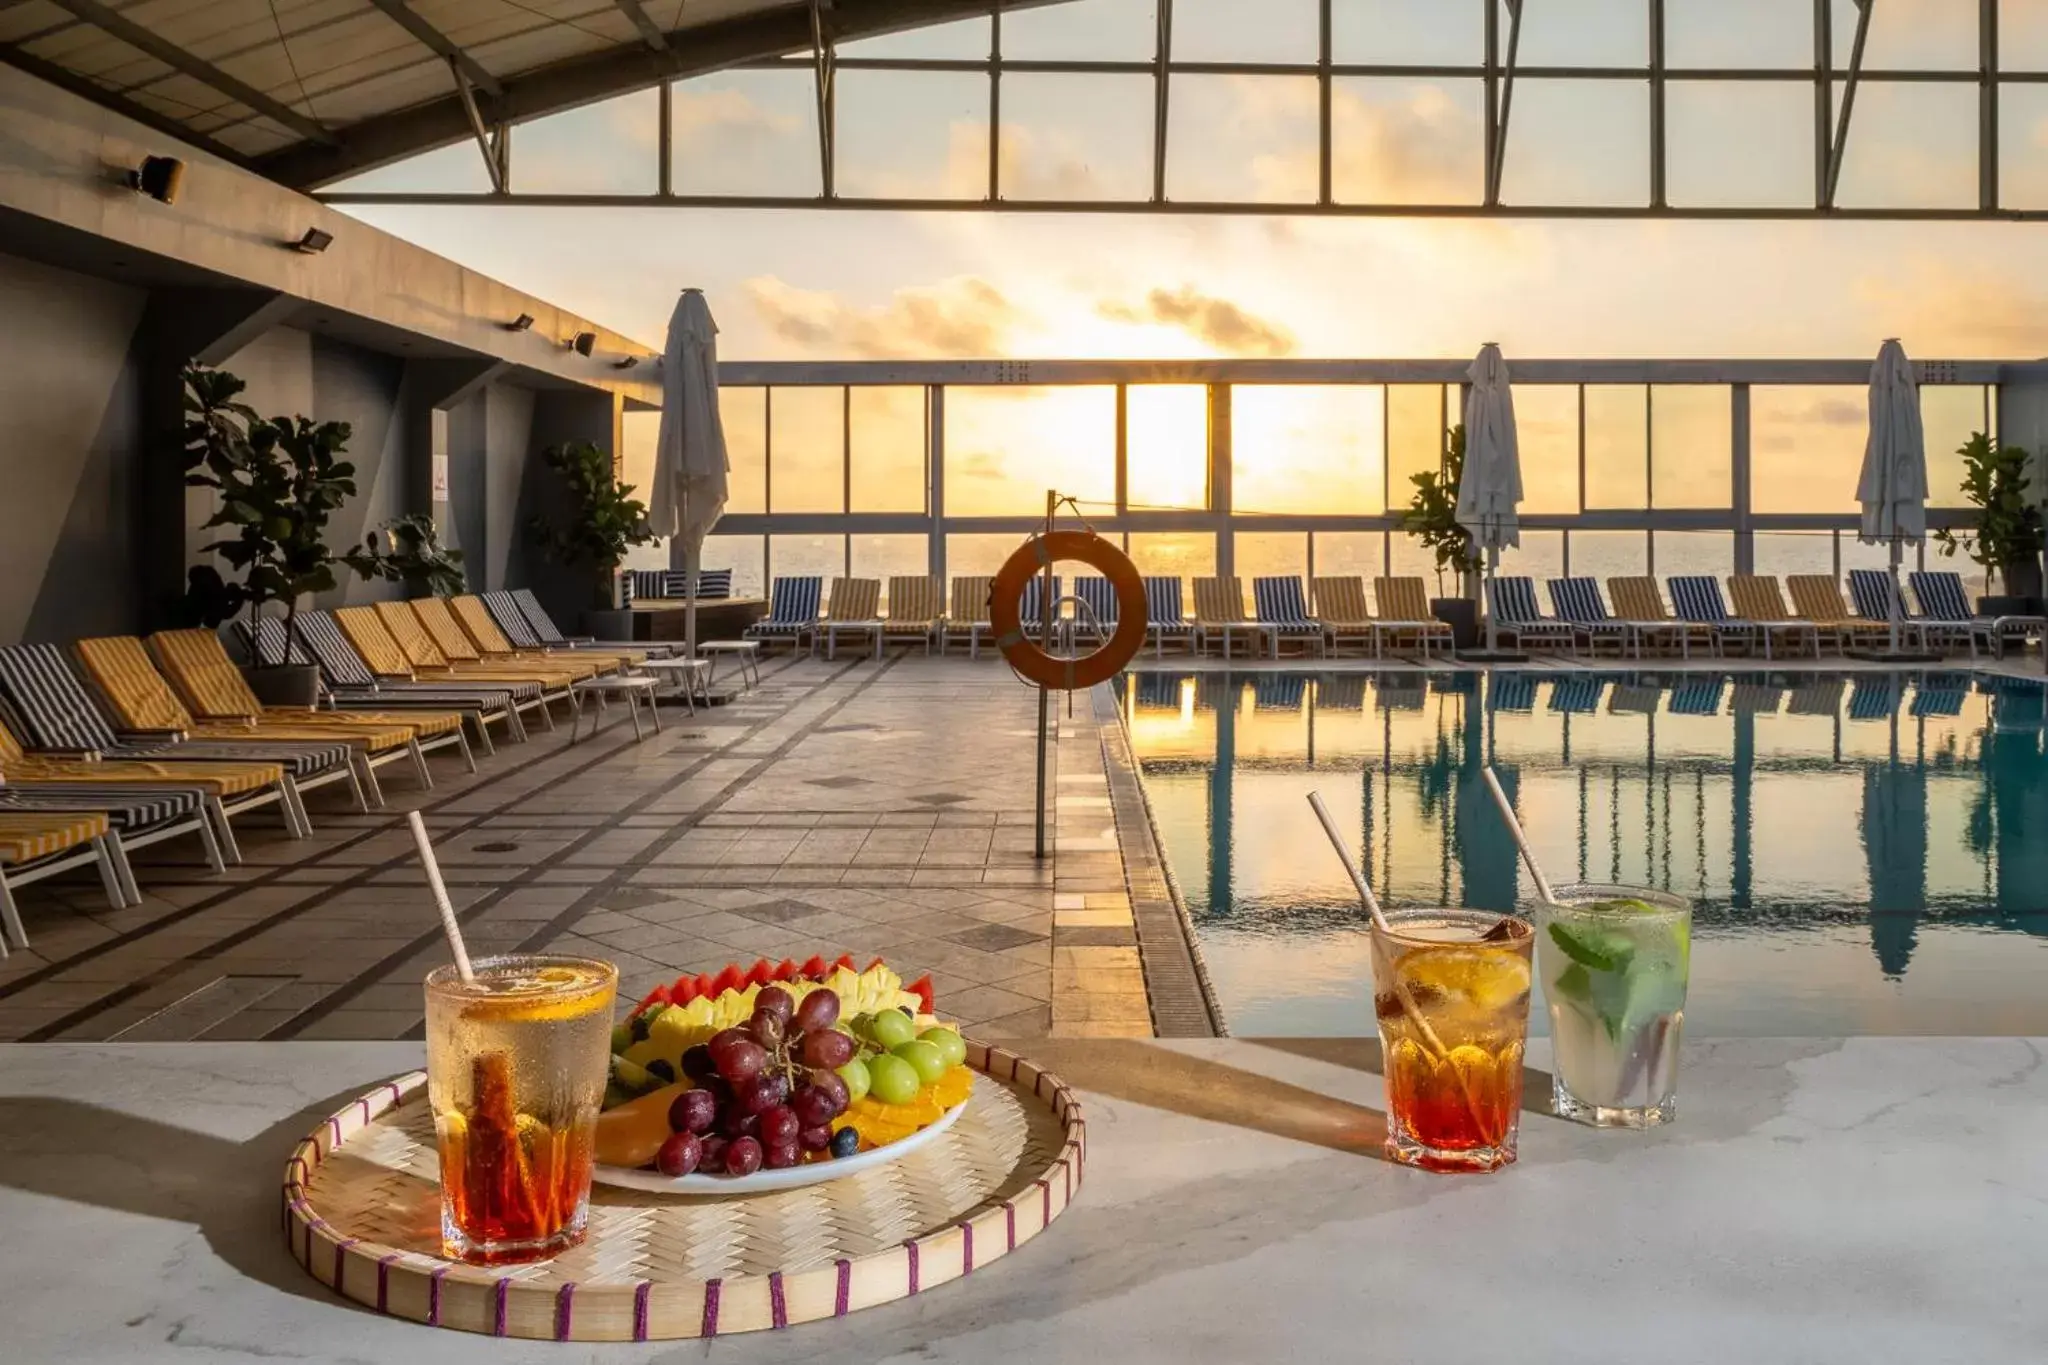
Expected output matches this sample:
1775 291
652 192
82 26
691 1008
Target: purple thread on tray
778 1307
334 1128
640 1292
434 1295
1067 1172
1045 1189
911 1249
1010 1220
711 1307
565 1298
1013 1066
500 1290
341 1261
842 1298
384 1282
967 1248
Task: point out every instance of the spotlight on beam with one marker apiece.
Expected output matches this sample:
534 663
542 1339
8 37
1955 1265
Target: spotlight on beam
627 363
520 323
159 177
314 242
583 343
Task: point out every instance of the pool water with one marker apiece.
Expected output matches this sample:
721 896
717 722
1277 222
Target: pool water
1868 853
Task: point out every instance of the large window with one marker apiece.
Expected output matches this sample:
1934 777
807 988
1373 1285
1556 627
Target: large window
1806 448
1005 447
1308 448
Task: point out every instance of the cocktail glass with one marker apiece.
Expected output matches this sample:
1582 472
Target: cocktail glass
516 1067
1451 988
1615 961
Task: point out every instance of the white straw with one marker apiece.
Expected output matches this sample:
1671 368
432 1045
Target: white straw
440 888
1365 895
1507 813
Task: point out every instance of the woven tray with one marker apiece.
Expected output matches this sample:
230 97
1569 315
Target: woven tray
362 1215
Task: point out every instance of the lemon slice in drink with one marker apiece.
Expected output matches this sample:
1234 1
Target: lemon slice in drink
1468 976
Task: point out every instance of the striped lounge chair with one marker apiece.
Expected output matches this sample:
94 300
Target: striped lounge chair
1876 594
855 608
793 608
1945 603
1031 608
1340 605
1511 691
1874 697
1818 697
1818 598
1756 698
392 641
1697 598
1940 695
463 630
967 615
1511 602
914 610
1219 612
1165 617
1577 695
34 845
1154 691
136 817
1638 602
1759 599
1281 605
1096 614
268 641
511 621
1578 603
524 604
1697 695
1404 615
1279 691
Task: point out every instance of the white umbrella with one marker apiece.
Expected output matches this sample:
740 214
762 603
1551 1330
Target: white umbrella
689 453
1491 488
1893 487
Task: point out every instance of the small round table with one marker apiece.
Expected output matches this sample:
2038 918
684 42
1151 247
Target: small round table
747 652
633 686
689 678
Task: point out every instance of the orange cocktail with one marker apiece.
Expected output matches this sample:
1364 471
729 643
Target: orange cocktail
1451 989
516 1067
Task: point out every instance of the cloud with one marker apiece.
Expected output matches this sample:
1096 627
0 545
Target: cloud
1219 322
1944 309
1422 146
703 114
960 318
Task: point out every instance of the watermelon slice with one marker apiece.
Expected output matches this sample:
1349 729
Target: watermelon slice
785 970
731 979
761 973
872 965
845 960
922 989
814 969
658 996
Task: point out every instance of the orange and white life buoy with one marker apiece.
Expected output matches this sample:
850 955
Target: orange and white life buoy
1029 658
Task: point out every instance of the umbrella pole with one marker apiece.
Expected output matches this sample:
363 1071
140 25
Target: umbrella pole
1492 568
693 555
1897 603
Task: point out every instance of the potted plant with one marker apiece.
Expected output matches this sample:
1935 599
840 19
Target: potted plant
279 482
2007 538
1432 518
409 551
607 520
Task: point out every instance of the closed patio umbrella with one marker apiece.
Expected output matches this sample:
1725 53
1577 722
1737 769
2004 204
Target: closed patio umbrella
1491 488
1893 486
1894 828
689 453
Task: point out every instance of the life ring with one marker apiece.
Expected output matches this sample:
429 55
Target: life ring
1005 596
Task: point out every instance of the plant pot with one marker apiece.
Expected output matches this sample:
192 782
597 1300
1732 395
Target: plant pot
1461 614
2021 578
285 684
2006 605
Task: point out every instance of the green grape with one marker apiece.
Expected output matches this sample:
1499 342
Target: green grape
858 1082
860 1026
891 1029
950 1044
892 1080
622 1037
925 1058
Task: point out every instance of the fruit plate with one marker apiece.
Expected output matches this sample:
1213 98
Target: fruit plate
789 1178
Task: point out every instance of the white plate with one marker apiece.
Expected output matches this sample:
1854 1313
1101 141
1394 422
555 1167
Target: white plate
789 1178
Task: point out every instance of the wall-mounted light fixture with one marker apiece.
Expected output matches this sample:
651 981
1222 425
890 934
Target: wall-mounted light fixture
627 363
314 242
583 343
520 323
159 177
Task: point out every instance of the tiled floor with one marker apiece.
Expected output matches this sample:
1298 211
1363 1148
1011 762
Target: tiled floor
840 808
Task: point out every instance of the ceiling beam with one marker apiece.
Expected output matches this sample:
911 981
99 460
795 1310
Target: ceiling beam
584 80
650 32
428 36
117 25
120 104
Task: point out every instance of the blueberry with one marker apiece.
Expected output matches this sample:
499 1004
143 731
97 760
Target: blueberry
845 1142
662 1071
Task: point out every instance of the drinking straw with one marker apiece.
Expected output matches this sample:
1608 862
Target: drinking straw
1507 814
440 889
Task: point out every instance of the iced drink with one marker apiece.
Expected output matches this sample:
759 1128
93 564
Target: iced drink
1615 961
1451 989
516 1068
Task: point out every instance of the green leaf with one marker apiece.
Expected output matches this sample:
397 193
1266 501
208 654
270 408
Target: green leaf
1598 949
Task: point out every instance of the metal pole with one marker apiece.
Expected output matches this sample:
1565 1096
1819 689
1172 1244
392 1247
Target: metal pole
1044 700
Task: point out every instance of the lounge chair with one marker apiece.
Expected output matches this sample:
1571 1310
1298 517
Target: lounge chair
914 610
1577 695
1510 691
1876 595
1874 696
1818 697
1511 602
967 614
135 816
477 622
1759 599
268 641
1753 698
792 613
1578 603
1406 691
1281 605
1340 605
1157 691
33 846
1697 598
1633 697
458 645
1279 691
855 609
1940 695
415 662
1340 691
1697 695
1097 613
1219 610
1165 617
1031 610
1638 602
511 617
1818 598
550 635
1944 600
1404 615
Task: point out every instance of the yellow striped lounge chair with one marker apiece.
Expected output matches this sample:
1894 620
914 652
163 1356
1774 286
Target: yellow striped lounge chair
1341 607
1219 610
491 642
1404 615
855 608
41 844
1817 597
1638 602
968 615
914 610
458 648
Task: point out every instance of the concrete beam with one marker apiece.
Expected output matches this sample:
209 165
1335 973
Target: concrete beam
221 321
446 383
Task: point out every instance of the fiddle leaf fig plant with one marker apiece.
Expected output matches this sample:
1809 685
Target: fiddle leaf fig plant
1432 515
605 520
2008 533
409 551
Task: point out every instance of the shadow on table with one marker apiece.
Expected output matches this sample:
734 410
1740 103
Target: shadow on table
1206 1089
230 1191
1363 1054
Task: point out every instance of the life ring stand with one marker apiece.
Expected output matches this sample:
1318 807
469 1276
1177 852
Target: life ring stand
1005 597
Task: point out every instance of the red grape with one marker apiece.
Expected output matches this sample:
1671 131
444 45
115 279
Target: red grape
679 1155
697 1063
734 1123
783 1157
815 1139
829 1048
812 1105
741 1061
694 1111
711 1154
775 1000
817 1011
766 1028
779 1126
742 1156
835 1089
762 1093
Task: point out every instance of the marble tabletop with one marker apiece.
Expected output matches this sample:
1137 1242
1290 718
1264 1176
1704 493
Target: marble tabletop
1867 1200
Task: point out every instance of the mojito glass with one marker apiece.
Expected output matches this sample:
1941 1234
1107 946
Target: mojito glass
1451 989
516 1068
1614 962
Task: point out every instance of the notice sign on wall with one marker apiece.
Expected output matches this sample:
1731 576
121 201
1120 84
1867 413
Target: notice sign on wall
440 477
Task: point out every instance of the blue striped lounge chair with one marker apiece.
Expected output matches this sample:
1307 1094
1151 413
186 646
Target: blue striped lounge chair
1511 602
1511 691
269 642
1158 691
1697 696
1279 691
350 676
1945 605
1281 605
1098 595
1578 603
1874 696
1030 606
1697 598
1874 594
511 616
793 607
1165 617
1940 694
1577 695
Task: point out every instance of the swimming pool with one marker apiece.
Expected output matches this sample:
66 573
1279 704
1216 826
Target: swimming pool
1868 852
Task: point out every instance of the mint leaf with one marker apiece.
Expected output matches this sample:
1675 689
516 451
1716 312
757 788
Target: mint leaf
1600 950
1574 983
